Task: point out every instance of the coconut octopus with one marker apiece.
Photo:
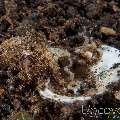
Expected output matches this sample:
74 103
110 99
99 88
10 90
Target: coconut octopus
60 75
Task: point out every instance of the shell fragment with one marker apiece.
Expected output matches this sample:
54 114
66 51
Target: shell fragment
104 72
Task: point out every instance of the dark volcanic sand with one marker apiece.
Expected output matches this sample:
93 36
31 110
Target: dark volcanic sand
62 23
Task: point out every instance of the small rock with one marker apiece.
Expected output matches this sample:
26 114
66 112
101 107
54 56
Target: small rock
66 109
108 31
23 116
91 92
115 8
88 54
1 91
117 95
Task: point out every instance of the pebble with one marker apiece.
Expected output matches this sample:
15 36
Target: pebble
117 95
88 54
107 31
115 8
66 109
1 91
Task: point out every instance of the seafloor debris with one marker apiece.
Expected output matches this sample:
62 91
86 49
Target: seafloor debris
117 95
